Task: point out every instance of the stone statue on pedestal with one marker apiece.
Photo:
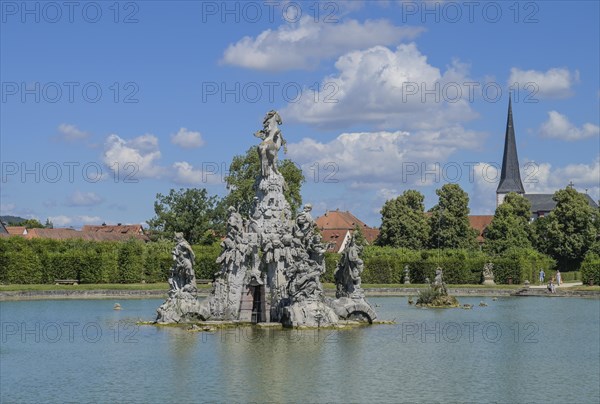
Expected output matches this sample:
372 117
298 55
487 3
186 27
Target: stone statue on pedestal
347 274
488 274
438 282
182 304
406 275
350 300
182 272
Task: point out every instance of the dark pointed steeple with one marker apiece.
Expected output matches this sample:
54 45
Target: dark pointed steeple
510 177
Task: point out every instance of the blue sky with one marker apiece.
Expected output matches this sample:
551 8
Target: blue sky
376 98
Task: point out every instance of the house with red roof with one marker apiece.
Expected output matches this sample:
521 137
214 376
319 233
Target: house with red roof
337 227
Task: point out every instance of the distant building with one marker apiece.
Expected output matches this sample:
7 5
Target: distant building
65 234
480 223
542 204
336 228
510 176
16 230
130 229
3 231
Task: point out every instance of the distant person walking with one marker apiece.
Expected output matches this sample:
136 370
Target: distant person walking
558 278
542 275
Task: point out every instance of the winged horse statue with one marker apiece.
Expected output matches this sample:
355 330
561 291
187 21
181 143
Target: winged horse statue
272 140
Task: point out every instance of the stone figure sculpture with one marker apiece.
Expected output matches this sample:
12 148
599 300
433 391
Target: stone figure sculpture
272 140
347 274
182 304
182 276
406 275
488 274
350 300
437 293
270 264
438 282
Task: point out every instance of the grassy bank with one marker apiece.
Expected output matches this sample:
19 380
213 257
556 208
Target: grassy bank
92 286
164 286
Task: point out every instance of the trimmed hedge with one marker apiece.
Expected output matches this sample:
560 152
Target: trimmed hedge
206 260
590 269
43 261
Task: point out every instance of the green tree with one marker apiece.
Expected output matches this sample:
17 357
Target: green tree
510 227
242 176
31 224
190 211
359 236
569 230
449 220
49 224
403 222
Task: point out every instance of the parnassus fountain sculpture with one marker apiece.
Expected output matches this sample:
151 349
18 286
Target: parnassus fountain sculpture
270 265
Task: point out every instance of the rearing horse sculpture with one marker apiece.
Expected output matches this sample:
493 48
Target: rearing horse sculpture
272 140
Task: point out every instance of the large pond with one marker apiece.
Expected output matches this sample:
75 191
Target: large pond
514 350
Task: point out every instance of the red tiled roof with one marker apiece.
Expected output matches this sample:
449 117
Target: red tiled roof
335 224
16 230
335 219
479 223
334 239
64 234
119 228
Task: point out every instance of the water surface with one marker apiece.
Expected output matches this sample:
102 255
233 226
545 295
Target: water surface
534 349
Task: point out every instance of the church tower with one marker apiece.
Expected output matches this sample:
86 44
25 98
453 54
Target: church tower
510 176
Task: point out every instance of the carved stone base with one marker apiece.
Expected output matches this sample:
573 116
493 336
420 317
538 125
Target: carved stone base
309 314
489 281
353 309
181 307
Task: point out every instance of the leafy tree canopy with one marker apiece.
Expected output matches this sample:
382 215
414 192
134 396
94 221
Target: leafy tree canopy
242 176
510 227
569 230
31 224
190 211
403 222
449 220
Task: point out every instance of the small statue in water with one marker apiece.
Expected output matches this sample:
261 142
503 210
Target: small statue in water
182 276
347 275
438 282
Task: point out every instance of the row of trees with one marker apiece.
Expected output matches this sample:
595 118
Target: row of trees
567 234
405 224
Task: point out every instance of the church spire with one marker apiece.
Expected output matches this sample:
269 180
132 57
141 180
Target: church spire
510 176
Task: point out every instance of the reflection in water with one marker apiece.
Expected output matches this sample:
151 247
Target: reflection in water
429 355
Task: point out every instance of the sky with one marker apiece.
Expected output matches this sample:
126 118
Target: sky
105 104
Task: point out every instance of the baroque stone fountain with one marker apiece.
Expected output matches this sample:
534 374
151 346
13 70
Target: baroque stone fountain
271 264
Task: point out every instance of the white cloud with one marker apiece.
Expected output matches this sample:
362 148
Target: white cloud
184 173
63 220
79 198
382 158
485 182
70 132
554 83
558 126
389 89
537 178
7 208
141 151
302 45
542 178
187 139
